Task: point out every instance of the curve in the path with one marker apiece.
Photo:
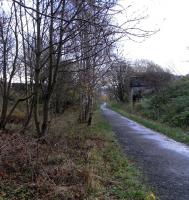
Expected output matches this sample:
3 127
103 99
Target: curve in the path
164 161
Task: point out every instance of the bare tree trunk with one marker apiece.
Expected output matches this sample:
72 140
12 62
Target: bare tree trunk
44 128
48 92
90 110
4 112
37 70
24 55
28 117
5 99
82 112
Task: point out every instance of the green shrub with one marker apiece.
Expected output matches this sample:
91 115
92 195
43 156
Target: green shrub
170 106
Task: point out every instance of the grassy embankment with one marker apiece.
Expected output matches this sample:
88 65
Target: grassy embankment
175 133
75 162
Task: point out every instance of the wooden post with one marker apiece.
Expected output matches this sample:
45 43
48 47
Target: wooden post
131 99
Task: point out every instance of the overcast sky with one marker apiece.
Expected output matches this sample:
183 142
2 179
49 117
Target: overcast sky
168 47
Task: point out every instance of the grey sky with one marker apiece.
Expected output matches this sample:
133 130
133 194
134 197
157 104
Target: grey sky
168 47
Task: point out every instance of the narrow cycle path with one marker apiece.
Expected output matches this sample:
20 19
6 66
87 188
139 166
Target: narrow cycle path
164 161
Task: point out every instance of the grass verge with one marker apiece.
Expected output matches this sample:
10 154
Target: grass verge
175 133
125 180
75 162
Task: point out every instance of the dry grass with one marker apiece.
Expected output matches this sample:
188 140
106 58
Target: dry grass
30 169
17 117
75 163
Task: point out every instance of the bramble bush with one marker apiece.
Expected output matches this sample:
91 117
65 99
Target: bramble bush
170 105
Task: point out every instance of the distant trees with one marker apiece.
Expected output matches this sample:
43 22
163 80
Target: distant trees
122 74
156 76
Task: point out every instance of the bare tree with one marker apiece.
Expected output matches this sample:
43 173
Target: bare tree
9 50
152 73
48 33
119 78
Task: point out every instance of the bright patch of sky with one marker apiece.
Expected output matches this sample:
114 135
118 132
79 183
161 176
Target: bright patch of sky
168 47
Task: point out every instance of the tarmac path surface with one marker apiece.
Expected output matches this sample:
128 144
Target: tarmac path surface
165 162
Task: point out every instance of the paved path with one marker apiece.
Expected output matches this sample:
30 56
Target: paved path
165 162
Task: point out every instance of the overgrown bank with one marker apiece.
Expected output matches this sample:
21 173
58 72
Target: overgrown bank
175 133
74 162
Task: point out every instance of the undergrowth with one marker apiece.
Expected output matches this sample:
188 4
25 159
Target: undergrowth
74 162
